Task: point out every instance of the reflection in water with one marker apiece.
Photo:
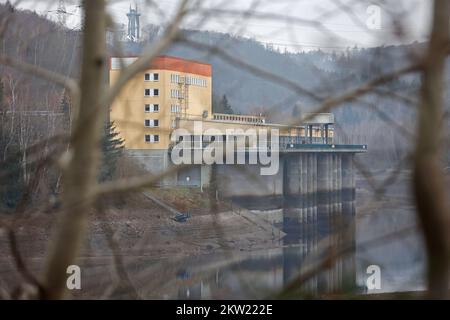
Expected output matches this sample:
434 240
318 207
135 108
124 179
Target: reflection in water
318 225
313 223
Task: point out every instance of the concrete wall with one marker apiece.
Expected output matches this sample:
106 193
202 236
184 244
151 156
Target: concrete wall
190 177
155 162
246 180
158 161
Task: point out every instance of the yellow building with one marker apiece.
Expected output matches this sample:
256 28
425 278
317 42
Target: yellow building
146 110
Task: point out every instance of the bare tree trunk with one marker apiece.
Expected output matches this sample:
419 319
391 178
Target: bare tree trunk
429 184
12 86
80 177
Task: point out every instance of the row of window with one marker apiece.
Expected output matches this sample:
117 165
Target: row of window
196 81
174 93
151 77
151 138
176 78
174 108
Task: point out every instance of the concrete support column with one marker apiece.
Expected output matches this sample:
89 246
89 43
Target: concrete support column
205 176
304 183
348 214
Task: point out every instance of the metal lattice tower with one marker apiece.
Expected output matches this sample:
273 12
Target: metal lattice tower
61 12
133 24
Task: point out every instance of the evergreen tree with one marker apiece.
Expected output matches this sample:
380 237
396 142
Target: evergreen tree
112 148
226 105
11 186
65 109
222 105
2 92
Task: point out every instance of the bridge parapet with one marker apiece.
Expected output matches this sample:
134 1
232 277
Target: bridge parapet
283 147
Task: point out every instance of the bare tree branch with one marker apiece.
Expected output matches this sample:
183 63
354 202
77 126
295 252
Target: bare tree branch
429 183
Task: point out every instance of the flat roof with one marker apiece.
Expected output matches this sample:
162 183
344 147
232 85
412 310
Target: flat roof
165 62
259 124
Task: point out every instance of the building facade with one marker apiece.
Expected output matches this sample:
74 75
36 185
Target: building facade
146 110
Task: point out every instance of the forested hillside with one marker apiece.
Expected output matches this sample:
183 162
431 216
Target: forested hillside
322 73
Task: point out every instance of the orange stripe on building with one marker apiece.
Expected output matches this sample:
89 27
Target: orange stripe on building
181 65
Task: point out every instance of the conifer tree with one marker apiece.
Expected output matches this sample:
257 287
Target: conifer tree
112 149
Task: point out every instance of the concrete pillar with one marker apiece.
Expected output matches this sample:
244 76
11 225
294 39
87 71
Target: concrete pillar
314 195
205 176
310 195
323 194
348 215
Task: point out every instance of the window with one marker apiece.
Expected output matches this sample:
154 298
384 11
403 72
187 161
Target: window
151 138
174 93
174 123
151 107
151 92
151 77
151 123
174 108
175 78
